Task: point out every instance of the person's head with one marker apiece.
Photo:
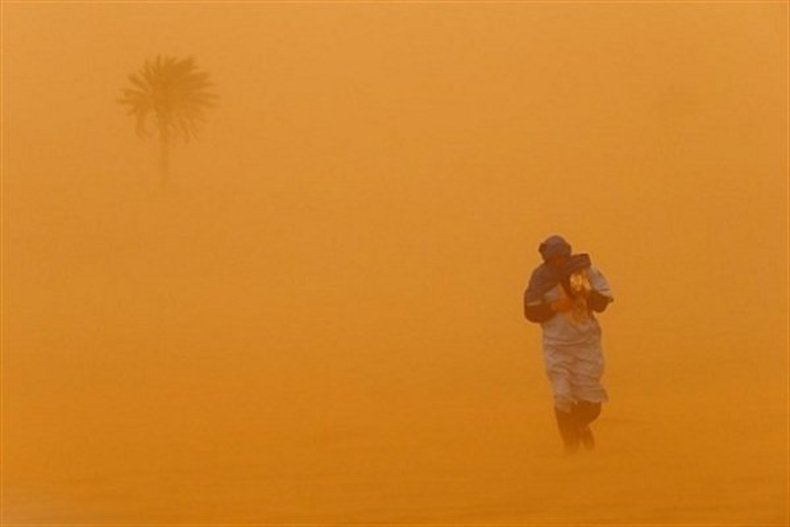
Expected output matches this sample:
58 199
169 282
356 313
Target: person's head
555 251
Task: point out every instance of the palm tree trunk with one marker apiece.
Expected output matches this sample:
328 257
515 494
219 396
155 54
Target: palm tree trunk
164 154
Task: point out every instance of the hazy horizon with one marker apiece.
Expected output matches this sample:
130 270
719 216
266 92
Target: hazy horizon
319 319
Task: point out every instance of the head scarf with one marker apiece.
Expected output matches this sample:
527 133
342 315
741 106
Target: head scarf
545 277
554 246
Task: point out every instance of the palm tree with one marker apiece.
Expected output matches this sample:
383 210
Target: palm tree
174 94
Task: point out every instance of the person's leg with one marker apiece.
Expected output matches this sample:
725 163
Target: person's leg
587 412
558 372
586 372
569 430
584 413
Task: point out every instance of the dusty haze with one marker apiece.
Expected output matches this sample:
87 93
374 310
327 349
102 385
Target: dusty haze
319 319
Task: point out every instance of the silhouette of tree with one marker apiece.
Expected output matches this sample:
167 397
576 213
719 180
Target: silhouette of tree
173 94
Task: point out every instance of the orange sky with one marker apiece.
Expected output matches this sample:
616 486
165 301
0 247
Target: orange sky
352 233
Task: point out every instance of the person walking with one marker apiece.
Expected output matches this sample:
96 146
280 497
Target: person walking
563 295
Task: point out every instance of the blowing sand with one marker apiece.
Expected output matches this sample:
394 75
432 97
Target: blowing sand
318 320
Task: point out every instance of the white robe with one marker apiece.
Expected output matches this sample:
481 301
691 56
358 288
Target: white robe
572 350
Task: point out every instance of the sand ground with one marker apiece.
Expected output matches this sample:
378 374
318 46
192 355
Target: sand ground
318 318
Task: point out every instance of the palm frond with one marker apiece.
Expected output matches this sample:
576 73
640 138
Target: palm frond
173 93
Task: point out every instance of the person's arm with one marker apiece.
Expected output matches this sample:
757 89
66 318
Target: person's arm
538 312
598 302
542 311
601 295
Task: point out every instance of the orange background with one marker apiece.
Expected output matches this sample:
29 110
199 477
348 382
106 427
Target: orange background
320 319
